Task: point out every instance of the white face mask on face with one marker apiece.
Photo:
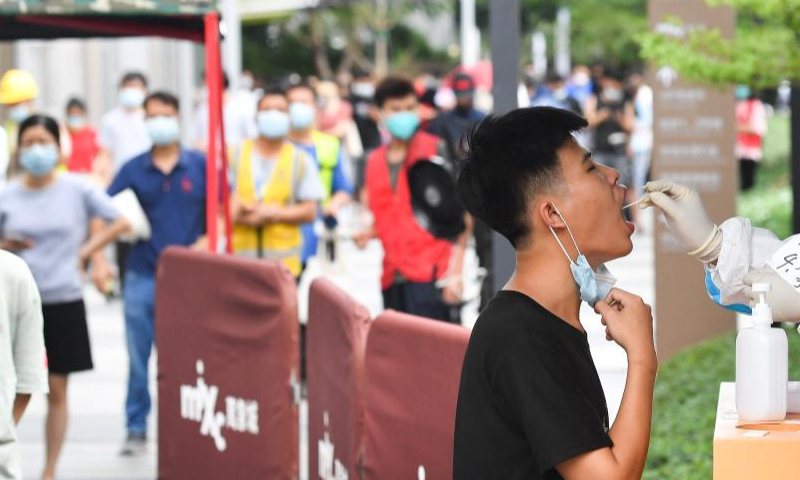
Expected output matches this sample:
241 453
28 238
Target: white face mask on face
594 286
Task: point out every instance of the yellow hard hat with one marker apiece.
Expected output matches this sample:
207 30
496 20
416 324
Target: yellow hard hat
17 86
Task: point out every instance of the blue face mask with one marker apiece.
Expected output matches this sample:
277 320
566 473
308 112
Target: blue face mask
714 293
39 160
272 124
19 113
301 115
76 122
131 97
594 286
403 125
163 130
742 92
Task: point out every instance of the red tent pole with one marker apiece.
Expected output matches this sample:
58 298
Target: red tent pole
213 82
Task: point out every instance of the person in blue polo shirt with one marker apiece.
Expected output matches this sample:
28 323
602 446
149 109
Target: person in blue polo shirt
170 184
327 153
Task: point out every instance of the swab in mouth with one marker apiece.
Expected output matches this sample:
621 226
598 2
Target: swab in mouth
635 203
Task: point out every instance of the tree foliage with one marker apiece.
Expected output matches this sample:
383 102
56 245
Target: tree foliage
764 50
338 38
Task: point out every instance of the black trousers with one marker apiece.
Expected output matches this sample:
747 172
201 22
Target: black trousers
747 173
417 298
123 248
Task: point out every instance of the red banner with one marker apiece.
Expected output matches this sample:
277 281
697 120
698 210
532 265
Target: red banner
227 368
337 333
412 373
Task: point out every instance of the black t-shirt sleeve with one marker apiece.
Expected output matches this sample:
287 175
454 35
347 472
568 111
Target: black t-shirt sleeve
541 391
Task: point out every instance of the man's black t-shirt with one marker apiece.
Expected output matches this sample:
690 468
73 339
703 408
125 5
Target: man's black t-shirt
530 397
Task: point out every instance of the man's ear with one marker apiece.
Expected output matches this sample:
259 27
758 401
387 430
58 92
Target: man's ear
547 212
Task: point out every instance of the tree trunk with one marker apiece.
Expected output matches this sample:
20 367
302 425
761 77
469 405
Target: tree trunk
318 45
381 38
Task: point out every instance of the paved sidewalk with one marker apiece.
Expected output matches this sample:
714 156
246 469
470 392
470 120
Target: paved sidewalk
96 402
96 427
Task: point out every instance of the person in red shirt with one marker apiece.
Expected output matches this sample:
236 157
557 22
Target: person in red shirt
84 138
413 259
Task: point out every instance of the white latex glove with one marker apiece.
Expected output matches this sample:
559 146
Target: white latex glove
784 300
686 216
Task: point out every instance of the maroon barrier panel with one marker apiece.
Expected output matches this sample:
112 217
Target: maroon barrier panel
412 372
336 336
227 336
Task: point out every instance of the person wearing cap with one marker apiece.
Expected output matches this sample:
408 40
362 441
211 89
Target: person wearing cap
18 91
451 125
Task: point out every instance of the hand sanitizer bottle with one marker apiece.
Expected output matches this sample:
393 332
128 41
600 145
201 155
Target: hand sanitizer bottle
762 356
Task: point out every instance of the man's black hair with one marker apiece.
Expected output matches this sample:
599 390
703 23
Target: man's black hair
163 97
133 77
393 87
553 77
360 73
302 85
508 160
76 102
272 90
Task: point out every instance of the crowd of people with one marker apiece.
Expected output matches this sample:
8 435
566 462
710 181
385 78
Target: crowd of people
300 150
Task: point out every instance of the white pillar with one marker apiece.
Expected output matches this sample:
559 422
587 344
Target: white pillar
539 51
470 35
232 41
562 48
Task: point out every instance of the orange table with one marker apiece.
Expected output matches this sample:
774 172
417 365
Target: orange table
746 451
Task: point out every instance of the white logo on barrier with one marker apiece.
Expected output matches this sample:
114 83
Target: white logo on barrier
421 473
199 403
330 468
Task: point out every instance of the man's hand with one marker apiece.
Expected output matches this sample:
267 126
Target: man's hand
686 216
102 274
244 214
269 213
784 299
453 290
629 322
201 244
362 238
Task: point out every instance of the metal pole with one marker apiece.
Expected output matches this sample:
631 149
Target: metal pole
504 37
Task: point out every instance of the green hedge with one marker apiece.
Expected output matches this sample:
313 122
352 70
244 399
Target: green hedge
685 407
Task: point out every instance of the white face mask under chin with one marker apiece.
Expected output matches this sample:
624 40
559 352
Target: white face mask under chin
593 285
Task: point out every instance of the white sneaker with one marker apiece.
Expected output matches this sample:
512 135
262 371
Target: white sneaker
134 446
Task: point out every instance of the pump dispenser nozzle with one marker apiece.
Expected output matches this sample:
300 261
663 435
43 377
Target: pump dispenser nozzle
762 312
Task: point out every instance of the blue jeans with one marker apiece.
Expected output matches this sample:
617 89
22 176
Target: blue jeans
139 296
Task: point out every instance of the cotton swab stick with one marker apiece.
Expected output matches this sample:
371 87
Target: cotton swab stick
636 202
